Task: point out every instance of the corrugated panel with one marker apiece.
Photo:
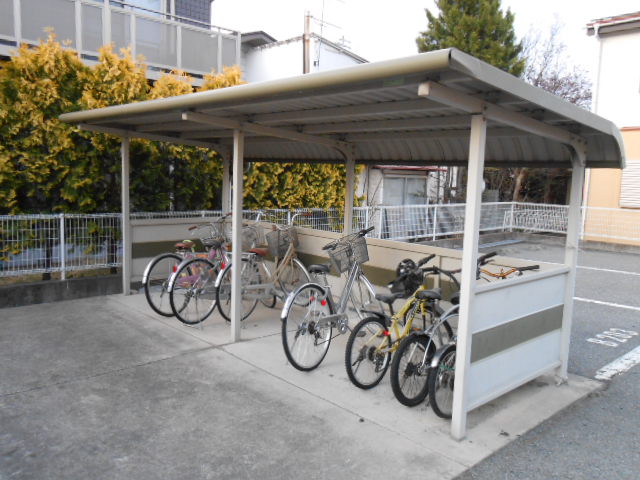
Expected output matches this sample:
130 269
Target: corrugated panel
630 185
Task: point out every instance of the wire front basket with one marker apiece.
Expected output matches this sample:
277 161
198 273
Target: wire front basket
347 252
279 240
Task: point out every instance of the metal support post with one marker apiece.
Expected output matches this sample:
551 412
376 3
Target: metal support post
349 187
226 184
63 250
468 280
126 221
17 22
106 23
435 222
571 256
78 26
236 235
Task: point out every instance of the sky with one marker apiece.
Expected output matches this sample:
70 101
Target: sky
380 30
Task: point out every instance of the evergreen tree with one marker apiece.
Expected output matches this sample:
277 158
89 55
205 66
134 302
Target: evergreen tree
477 27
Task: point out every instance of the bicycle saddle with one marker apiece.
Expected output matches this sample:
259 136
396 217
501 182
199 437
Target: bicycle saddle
259 251
433 294
184 245
318 268
388 298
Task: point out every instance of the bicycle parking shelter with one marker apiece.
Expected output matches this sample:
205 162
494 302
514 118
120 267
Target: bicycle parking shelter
438 108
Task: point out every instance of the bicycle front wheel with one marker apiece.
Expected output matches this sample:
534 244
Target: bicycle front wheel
193 292
156 285
368 353
409 369
441 380
249 275
306 336
292 276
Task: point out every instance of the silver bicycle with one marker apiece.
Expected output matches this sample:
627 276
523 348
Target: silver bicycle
310 312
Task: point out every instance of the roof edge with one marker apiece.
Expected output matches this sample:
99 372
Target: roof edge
430 61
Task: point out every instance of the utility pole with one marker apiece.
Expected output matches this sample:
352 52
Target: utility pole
306 43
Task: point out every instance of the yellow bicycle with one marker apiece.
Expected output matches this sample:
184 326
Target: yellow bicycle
373 340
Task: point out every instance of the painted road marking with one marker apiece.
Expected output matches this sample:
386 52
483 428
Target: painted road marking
624 272
620 365
608 304
613 337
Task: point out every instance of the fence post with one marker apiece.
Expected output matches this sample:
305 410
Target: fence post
366 217
63 249
435 222
380 218
511 217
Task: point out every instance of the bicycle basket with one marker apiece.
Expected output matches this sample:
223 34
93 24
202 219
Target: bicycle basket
252 236
279 240
349 252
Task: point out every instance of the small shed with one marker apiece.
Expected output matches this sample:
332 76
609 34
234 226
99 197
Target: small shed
437 108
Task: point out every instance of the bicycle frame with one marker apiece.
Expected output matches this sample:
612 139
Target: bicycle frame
340 318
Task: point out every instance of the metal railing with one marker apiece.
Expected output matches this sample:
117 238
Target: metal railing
62 243
166 41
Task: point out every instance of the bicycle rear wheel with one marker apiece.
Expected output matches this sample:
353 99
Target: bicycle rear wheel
368 353
292 276
249 275
409 369
193 292
156 284
441 381
305 335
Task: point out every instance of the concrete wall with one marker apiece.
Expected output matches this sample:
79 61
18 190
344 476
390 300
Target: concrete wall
58 290
617 96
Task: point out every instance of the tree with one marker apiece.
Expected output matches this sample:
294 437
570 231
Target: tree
477 27
37 152
548 68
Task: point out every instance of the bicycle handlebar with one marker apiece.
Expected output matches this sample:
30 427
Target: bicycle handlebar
426 259
482 259
334 244
530 267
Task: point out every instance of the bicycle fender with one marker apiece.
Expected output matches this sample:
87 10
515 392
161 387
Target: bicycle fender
145 274
219 277
440 353
289 301
380 315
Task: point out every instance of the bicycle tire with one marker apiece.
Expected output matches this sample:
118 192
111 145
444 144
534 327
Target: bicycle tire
293 276
409 369
444 331
365 366
441 382
301 322
193 292
156 286
249 275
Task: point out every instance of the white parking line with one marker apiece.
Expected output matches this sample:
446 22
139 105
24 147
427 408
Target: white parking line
620 365
608 304
624 272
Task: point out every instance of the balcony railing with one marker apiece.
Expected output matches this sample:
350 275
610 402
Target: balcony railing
166 41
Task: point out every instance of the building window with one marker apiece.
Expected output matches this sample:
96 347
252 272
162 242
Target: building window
149 7
630 185
404 190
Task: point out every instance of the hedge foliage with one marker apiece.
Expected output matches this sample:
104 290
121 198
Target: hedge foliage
49 166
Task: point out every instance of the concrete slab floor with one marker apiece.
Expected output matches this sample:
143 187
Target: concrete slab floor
104 388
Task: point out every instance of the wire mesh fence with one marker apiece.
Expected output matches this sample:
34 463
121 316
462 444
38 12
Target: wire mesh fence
61 243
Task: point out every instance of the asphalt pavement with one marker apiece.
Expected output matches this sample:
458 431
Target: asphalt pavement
597 437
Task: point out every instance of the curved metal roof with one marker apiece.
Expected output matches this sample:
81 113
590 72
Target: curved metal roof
413 110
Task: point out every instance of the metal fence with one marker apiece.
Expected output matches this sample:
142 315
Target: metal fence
61 243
